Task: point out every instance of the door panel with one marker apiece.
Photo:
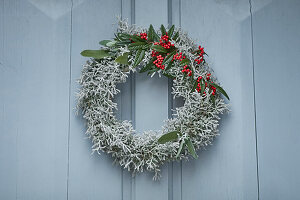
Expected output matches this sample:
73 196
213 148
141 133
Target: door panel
227 169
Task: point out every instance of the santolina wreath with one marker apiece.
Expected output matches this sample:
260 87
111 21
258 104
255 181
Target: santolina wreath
170 53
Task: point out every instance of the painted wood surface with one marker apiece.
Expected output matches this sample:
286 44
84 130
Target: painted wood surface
276 31
44 153
227 170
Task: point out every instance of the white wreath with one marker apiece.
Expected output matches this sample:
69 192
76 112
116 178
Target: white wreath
193 126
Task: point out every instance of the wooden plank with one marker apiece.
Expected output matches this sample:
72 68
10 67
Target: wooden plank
175 168
226 170
91 176
34 103
126 104
276 45
151 100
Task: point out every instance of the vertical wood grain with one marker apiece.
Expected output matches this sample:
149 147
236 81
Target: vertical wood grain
174 168
151 100
44 153
125 100
227 170
276 45
90 176
34 70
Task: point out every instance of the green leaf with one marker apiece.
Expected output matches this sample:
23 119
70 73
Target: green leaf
185 61
123 43
213 99
117 37
111 43
137 44
170 31
124 36
169 65
175 37
146 46
123 59
159 48
220 89
168 137
163 30
191 148
104 42
168 75
169 57
98 54
140 54
151 33
180 148
195 85
136 38
202 84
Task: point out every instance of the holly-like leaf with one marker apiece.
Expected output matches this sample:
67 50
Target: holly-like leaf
98 54
168 75
213 99
168 137
175 37
151 33
202 84
169 65
140 54
220 89
163 30
124 36
136 44
195 85
137 38
111 43
123 43
185 61
159 48
170 31
191 148
169 57
104 42
180 148
123 59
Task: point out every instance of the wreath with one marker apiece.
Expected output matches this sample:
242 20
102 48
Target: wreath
167 52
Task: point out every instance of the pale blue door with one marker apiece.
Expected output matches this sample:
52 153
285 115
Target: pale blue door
254 48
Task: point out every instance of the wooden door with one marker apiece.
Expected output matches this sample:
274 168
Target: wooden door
253 47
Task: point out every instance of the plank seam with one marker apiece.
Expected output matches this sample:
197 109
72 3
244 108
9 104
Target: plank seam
254 99
180 17
170 107
133 97
70 81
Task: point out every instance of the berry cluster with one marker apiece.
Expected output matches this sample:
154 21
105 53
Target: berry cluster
143 36
154 53
199 85
213 90
158 62
186 70
200 58
179 57
164 42
208 76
